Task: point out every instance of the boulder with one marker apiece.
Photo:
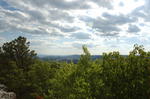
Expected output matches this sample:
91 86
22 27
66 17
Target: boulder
7 95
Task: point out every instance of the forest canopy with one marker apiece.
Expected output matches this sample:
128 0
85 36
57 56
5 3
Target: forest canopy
112 77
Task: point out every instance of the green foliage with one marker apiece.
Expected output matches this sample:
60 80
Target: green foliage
18 51
112 77
15 61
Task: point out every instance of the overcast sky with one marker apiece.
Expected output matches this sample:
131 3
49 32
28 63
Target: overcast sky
61 27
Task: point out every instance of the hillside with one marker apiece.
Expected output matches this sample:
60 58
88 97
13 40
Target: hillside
66 58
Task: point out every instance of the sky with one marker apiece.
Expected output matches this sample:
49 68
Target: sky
61 27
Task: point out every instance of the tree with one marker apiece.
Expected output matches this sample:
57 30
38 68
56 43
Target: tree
15 61
112 77
18 50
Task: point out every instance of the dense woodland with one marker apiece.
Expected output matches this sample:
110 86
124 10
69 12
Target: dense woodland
111 77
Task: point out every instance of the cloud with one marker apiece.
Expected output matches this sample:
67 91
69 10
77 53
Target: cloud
118 19
3 26
133 29
138 12
56 34
34 22
142 11
43 17
108 24
60 15
147 5
121 4
60 4
3 40
65 28
112 34
81 35
100 25
67 21
103 3
104 26
79 45
111 24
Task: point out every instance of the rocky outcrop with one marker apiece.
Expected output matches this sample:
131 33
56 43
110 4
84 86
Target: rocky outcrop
5 94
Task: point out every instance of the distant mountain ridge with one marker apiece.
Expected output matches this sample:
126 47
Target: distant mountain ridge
66 58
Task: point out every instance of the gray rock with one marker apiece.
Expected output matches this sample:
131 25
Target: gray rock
5 94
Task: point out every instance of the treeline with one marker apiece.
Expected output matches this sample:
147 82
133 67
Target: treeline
112 77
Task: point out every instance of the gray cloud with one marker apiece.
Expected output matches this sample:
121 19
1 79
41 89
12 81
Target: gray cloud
56 34
60 4
133 29
49 16
61 19
3 26
36 15
138 12
102 26
81 35
121 4
105 27
108 24
147 5
2 40
110 34
142 11
32 21
118 19
42 17
68 29
12 14
147 16
64 29
103 3
12 25
60 15
79 45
